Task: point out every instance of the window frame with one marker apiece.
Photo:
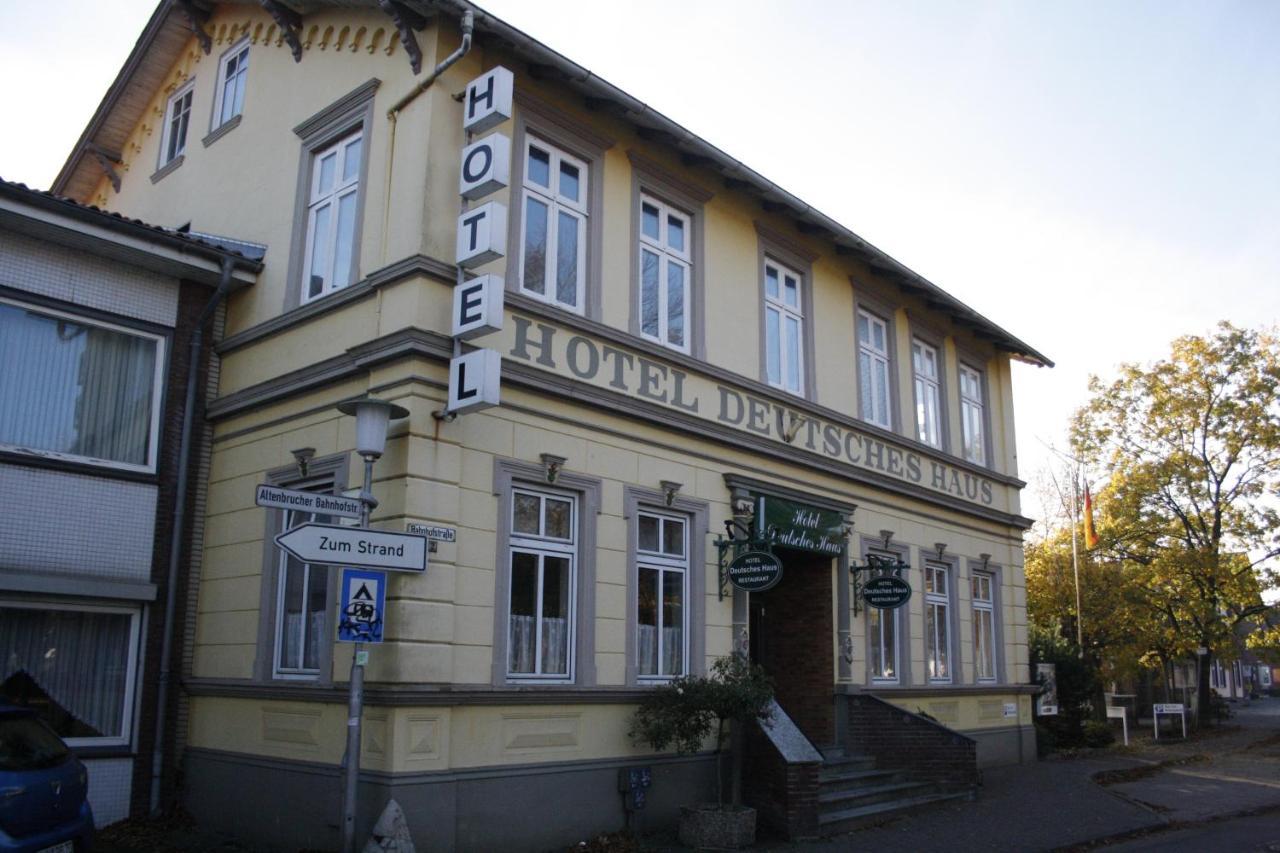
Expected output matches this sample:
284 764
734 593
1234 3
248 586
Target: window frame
983 402
332 199
130 693
556 129
510 476
696 514
650 179
352 113
186 90
939 394
237 51
158 391
331 469
543 546
867 348
779 250
667 256
557 205
902 621
934 599
984 605
301 673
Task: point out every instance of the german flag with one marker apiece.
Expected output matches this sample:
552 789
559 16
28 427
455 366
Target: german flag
1090 535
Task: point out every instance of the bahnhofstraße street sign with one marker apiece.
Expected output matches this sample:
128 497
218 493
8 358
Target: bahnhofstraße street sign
352 546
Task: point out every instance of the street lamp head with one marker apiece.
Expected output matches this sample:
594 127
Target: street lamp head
372 416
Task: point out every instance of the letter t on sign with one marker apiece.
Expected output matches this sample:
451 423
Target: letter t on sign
482 235
487 102
475 380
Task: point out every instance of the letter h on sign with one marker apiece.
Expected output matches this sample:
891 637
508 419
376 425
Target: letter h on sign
487 102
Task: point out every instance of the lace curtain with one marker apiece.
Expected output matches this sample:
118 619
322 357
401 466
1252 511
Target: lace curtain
672 651
555 645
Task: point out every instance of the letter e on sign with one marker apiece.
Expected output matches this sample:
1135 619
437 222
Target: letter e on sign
482 234
486 166
487 102
477 307
475 380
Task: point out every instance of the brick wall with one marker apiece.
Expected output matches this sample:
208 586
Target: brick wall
784 795
191 301
792 624
902 740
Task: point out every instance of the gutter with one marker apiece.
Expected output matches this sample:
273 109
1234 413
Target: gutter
176 534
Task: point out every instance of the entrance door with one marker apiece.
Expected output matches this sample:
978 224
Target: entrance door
792 637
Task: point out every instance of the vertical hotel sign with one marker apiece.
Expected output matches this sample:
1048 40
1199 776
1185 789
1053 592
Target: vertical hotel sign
475 377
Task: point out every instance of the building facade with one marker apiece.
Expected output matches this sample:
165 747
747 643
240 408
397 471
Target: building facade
683 344
96 316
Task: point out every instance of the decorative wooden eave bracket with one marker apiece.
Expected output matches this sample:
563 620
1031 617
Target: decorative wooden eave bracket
407 20
198 16
290 24
108 161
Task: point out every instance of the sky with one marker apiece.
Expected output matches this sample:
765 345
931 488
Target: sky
1097 178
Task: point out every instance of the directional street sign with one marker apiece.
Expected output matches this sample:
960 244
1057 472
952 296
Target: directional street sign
353 546
312 502
362 611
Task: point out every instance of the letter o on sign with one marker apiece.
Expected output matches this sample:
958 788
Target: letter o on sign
486 166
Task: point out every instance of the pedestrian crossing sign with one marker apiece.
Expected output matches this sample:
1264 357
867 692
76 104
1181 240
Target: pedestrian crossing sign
362 608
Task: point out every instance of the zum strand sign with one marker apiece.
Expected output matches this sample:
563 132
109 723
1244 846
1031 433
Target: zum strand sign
610 367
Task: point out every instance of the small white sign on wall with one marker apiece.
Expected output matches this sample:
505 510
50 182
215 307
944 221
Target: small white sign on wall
486 166
487 101
482 234
475 380
1011 709
477 307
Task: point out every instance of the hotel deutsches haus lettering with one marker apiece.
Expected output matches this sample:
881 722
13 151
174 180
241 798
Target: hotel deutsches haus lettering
678 342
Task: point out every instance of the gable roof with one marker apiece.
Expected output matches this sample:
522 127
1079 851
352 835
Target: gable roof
169 30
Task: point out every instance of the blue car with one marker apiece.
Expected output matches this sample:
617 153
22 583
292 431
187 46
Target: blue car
43 788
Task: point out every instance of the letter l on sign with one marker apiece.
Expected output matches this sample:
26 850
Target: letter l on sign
475 380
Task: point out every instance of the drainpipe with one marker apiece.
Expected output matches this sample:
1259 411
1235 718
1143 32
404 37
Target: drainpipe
468 24
175 536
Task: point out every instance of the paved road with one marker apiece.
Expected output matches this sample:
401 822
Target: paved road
1261 834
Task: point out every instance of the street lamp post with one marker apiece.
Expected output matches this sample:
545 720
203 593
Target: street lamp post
372 417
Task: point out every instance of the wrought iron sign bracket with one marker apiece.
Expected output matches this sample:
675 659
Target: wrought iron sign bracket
879 565
728 547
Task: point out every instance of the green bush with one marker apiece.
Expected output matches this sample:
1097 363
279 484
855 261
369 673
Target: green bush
1097 733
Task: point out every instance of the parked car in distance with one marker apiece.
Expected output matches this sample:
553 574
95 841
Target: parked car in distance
43 789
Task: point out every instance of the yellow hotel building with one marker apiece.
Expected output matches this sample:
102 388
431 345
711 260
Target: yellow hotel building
683 344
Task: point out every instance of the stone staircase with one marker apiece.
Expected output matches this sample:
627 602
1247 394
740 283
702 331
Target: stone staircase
853 793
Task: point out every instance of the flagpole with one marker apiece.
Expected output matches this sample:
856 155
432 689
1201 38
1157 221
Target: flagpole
1075 557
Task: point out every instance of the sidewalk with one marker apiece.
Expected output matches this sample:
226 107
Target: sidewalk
1057 805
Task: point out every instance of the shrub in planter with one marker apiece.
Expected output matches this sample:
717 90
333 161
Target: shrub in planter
683 713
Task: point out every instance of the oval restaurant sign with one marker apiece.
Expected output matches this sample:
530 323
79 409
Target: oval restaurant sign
886 592
755 571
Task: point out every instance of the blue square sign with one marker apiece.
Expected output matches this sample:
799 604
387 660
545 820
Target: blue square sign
362 607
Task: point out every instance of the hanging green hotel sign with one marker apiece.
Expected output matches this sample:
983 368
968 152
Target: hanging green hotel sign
803 526
755 571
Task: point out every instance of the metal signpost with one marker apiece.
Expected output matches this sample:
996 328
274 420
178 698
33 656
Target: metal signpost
356 546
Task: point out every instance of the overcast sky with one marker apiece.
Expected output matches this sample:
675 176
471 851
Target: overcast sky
1096 177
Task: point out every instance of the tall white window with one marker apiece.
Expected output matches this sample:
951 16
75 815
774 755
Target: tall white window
783 327
924 365
984 628
177 117
331 216
664 273
543 557
79 389
662 559
302 596
882 642
553 247
873 369
232 71
971 415
74 664
937 607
